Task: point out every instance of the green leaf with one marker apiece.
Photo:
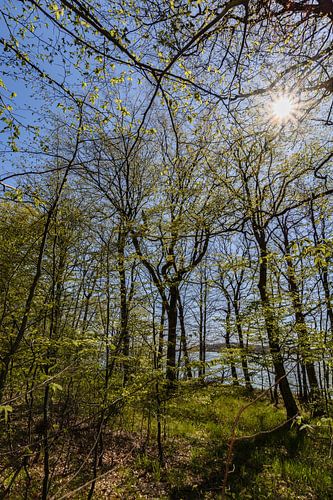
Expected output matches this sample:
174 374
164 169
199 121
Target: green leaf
6 409
55 387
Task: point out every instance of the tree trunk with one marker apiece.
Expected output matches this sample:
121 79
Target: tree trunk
227 341
202 325
272 332
183 340
124 333
241 345
301 327
172 336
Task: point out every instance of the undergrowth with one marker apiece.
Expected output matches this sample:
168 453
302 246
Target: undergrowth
284 464
196 424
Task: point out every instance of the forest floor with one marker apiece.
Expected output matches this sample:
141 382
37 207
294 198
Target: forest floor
197 426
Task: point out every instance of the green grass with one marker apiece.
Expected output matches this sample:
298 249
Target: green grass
283 465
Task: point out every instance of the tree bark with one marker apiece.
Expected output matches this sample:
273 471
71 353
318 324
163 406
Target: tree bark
245 367
301 327
272 331
183 339
227 341
124 333
172 336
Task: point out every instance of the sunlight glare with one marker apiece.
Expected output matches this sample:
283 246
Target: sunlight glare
283 108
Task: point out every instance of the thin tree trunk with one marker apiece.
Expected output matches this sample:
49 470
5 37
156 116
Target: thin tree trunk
202 325
227 341
183 340
242 347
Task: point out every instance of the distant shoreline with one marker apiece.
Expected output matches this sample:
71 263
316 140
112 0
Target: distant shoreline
219 347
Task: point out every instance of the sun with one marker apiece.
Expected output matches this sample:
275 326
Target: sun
283 108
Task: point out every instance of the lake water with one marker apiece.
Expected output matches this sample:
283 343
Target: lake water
262 377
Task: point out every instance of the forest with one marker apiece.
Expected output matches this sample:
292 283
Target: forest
166 248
